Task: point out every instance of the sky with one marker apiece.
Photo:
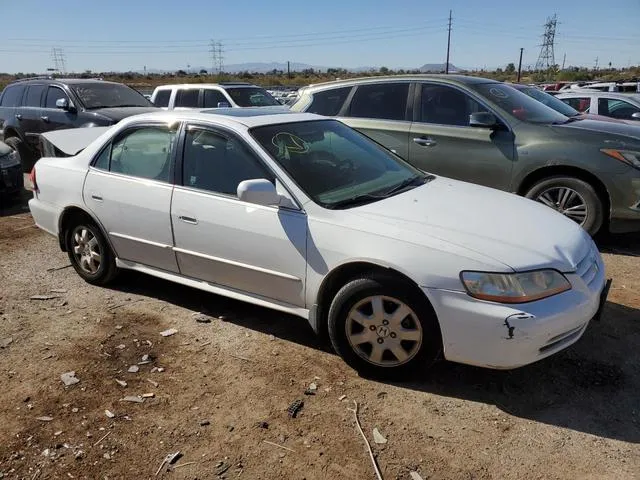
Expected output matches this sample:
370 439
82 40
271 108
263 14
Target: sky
118 35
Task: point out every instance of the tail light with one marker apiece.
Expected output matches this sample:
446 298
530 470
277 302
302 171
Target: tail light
33 185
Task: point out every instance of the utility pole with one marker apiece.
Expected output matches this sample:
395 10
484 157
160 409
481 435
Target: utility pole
564 58
596 64
520 65
288 70
446 66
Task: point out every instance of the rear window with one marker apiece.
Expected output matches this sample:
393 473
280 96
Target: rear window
187 98
162 98
329 102
252 97
12 96
382 100
213 97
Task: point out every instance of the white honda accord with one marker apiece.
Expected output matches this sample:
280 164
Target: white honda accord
302 214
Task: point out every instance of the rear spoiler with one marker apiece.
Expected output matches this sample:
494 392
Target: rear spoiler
68 142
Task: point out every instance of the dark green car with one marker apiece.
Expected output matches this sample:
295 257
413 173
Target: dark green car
487 132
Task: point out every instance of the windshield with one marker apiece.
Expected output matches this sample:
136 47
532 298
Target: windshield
550 101
252 97
517 104
335 165
107 95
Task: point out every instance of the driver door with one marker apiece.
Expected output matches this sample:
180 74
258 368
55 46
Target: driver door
221 240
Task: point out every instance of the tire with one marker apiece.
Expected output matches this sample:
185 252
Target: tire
550 192
90 253
423 341
27 158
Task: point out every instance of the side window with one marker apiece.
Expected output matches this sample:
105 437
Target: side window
144 152
616 108
581 104
12 96
218 163
445 105
187 97
382 100
162 98
53 94
34 95
329 102
102 162
213 97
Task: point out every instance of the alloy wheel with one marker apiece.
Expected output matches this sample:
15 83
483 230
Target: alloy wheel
86 250
566 201
384 331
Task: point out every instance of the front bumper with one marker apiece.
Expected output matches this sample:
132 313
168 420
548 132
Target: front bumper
501 336
11 179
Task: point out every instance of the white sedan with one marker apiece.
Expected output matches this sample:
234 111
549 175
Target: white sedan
302 214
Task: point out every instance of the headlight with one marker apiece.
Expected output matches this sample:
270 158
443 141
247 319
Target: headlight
514 287
626 156
10 160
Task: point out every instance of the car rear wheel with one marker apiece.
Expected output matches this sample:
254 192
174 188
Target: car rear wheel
574 198
90 254
381 328
27 158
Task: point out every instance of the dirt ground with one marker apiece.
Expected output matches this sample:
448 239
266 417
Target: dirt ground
221 398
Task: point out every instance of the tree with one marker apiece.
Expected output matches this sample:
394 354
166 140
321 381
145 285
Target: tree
384 70
203 72
511 68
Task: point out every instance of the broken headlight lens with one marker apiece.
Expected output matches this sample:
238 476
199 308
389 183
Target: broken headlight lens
514 287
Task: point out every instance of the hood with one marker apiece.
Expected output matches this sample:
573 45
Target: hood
69 141
512 230
621 129
118 113
600 118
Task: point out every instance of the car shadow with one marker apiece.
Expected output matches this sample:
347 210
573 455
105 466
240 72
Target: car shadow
592 387
14 204
620 244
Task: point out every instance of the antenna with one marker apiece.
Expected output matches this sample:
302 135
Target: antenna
547 59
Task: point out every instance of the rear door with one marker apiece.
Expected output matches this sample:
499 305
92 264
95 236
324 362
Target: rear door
443 142
382 112
10 107
617 108
32 118
129 189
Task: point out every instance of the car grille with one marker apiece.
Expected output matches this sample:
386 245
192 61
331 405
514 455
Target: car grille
587 268
563 338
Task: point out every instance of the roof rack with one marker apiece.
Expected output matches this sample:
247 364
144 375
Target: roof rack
39 77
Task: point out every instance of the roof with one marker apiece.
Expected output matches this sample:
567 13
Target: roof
207 85
69 81
231 117
597 93
459 79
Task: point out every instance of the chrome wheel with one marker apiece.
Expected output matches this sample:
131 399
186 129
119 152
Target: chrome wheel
566 201
86 250
384 331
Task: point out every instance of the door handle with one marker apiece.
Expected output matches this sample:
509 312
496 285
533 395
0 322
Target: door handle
97 198
191 220
425 141
18 116
44 118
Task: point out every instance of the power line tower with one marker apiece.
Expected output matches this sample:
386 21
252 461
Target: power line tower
547 58
220 58
59 63
214 56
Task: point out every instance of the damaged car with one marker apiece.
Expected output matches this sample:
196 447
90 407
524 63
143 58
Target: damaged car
302 214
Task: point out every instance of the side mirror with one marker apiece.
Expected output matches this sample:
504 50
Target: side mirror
483 120
224 105
259 191
635 116
62 103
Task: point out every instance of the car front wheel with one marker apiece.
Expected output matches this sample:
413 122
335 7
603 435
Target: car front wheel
574 198
90 253
27 158
382 328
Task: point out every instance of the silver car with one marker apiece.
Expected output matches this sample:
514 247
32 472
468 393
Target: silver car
623 106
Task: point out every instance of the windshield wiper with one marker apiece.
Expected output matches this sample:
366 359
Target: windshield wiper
354 201
417 180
